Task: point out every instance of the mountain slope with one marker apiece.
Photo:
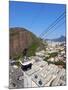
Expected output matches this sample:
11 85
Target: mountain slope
20 39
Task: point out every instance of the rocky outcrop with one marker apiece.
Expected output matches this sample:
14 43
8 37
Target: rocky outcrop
20 39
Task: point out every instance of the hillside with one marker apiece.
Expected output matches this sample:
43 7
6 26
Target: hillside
20 39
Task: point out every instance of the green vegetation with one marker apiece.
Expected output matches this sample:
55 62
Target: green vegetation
17 63
17 56
57 63
32 49
54 54
60 63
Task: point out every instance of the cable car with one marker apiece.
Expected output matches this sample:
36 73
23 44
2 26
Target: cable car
26 64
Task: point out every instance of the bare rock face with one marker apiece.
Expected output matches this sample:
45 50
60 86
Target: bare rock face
20 39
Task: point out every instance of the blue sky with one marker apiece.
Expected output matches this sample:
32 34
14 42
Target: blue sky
36 17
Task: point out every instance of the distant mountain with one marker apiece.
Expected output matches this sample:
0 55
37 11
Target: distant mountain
60 39
21 38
